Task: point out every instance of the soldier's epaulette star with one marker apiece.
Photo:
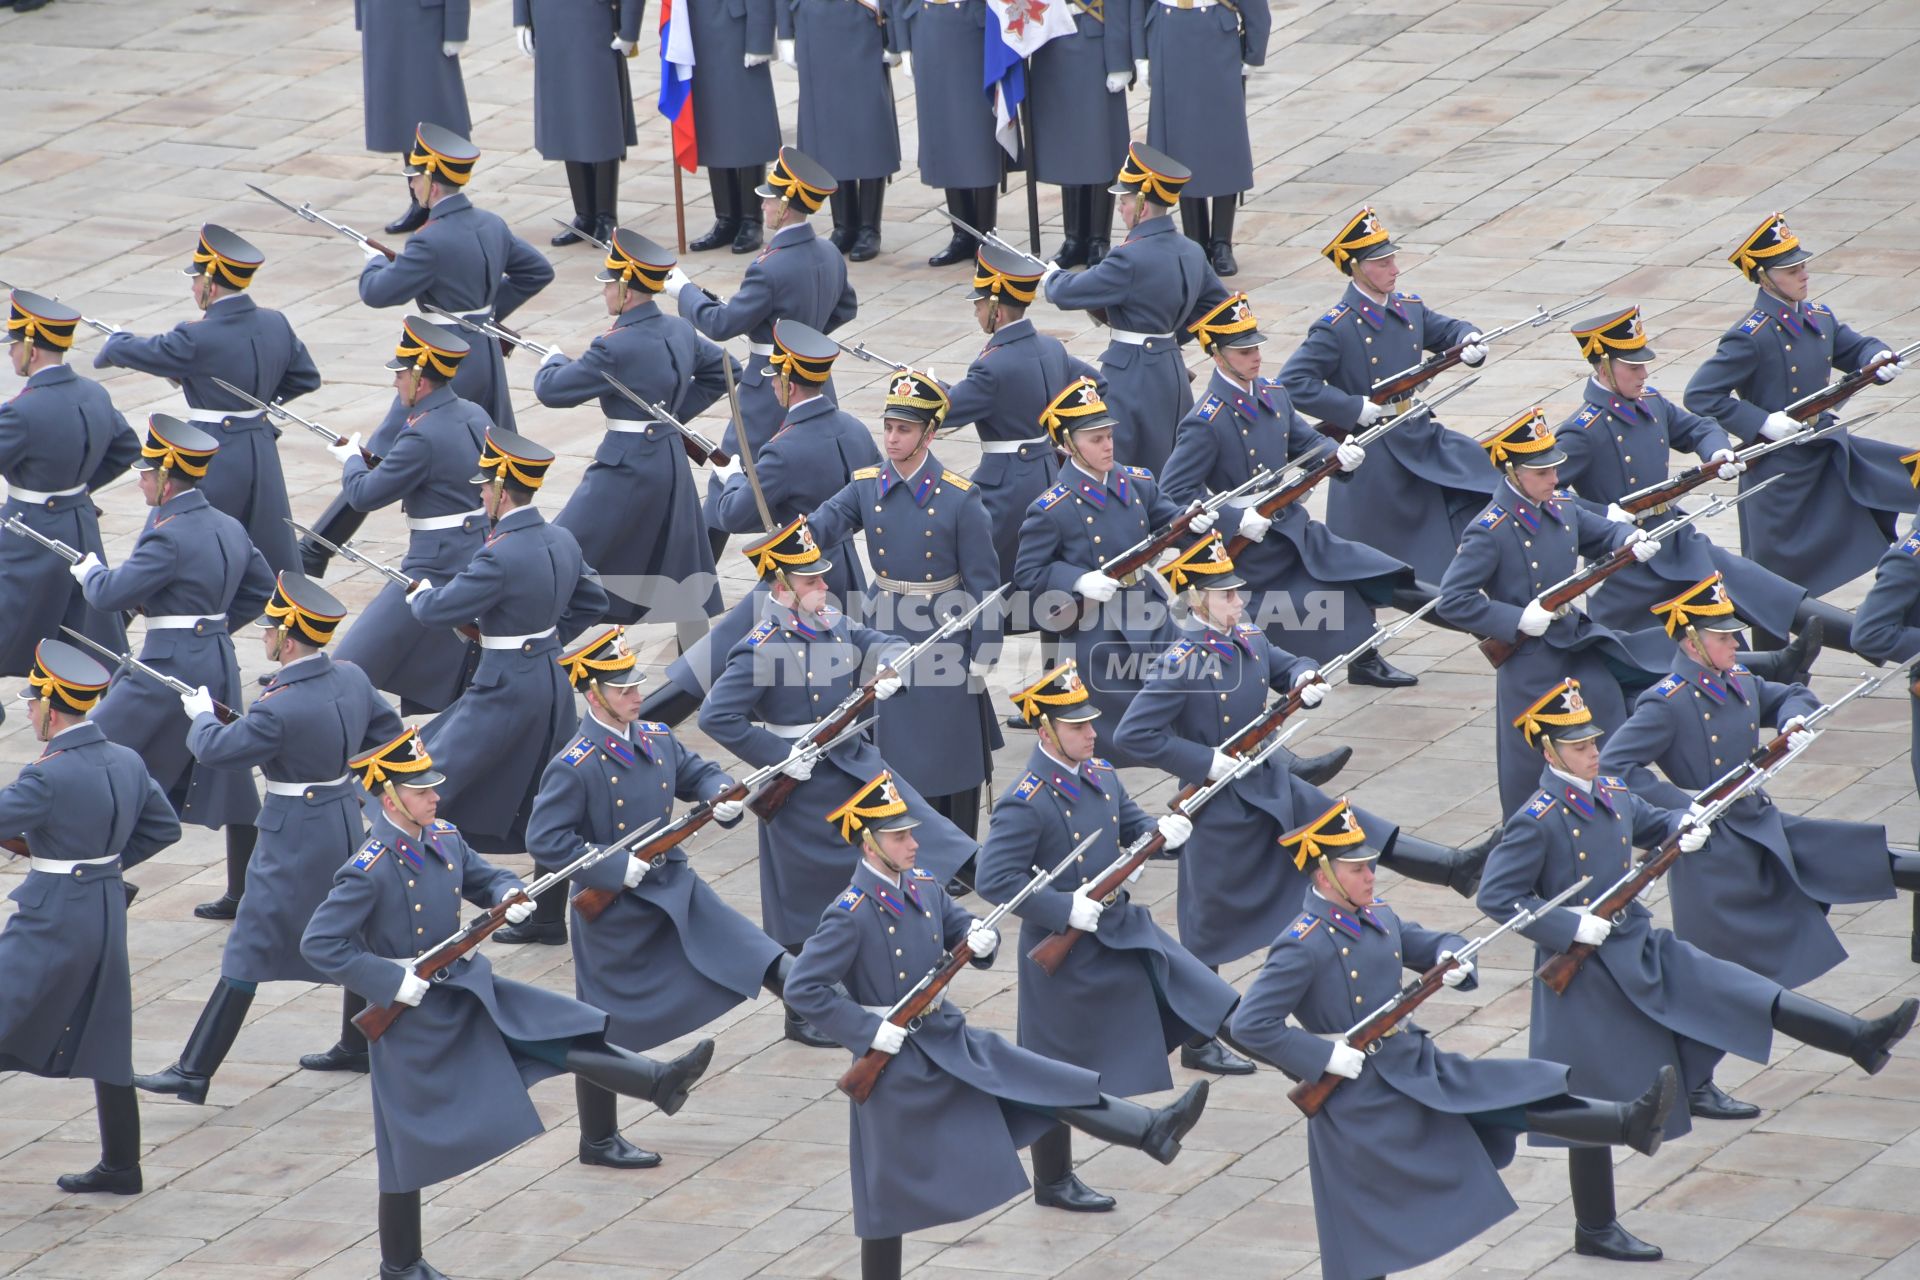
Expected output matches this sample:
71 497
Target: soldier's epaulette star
1611 783
579 749
1491 518
761 632
1912 543
867 473
1406 297
1208 407
1670 686
651 726
1588 415
1178 653
1098 763
1051 496
1751 325
1539 805
1138 473
1821 307
1305 925
1333 316
369 854
955 479
1028 785
918 874
441 824
1740 669
850 899
1565 493
1246 628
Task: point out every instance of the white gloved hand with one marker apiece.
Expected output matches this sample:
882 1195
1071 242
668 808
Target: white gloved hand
1048 270
1313 691
1799 737
1350 455
1730 466
784 48
982 941
1619 514
519 910
728 472
1695 837
636 871
1346 1061
412 986
624 48
1221 765
452 48
1176 827
889 57
1142 71
1456 975
1535 619
1085 913
418 588
797 766
554 353
728 810
84 569
1117 81
1246 69
752 60
1253 525
1203 521
198 702
1644 548
906 62
886 686
371 254
1096 586
889 1037
1371 413
1592 929
675 282
1473 353
1779 425
348 448
523 36
1887 372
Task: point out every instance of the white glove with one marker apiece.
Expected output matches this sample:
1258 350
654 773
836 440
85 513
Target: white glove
1085 913
84 570
889 1037
1221 765
624 48
349 448
523 36
752 60
1695 837
1644 548
676 281
412 985
1456 975
1730 466
372 254
452 48
1619 514
797 766
1253 525
885 687
728 472
1592 929
1312 691
728 810
1535 619
554 353
1048 270
636 871
1780 425
1346 1061
889 57
1142 71
1371 413
519 910
1246 69
982 941
1203 521
418 588
784 48
1096 586
1350 454
199 702
1474 353
906 63
1176 827
1887 372
1799 737
1117 81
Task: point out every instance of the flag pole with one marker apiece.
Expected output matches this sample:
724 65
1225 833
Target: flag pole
1033 190
679 195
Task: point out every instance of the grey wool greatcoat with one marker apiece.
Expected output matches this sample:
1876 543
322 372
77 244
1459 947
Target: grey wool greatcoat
1129 993
669 955
1644 1000
1615 446
928 531
636 513
1197 103
1015 376
1404 1160
787 673
1776 354
965 1093
1151 286
528 584
1074 528
1079 129
406 79
1757 894
1421 483
466 261
582 93
1312 591
190 561
60 432
1238 887
313 716
847 120
1512 553
450 1077
426 464
66 1008
256 350
1886 626
954 114
735 122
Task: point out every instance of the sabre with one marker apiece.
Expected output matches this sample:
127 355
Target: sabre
281 411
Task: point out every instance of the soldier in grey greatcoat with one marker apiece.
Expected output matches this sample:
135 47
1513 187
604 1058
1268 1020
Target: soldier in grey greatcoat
450 1077
1645 1000
195 576
942 47
582 99
1887 629
736 125
312 716
845 55
60 439
257 351
1404 1156
410 71
1147 290
1077 109
967 1094
88 810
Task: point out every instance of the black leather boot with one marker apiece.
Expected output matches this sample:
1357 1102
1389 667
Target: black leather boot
580 184
1790 664
1640 1124
726 212
207 1047
240 842
400 1253
1709 1101
798 1029
1317 771
1194 223
1370 668
669 704
959 246
349 1053
1868 1041
1597 1232
600 1140
880 1259
1073 220
336 524
746 181
413 219
1220 238
1430 863
845 206
1055 1185
872 198
117 1108
1836 623
1204 1053
548 923
1099 224
606 200
1125 1123
664 1084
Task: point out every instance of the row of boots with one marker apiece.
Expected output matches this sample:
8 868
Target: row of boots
856 209
596 202
737 223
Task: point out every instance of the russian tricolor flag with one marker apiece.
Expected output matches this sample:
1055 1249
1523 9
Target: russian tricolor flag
676 85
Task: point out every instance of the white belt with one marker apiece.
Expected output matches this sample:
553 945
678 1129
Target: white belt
632 427
301 788
1009 446
35 496
220 415
1128 336
787 731
514 642
760 348
54 867
899 588
454 521
182 621
1189 4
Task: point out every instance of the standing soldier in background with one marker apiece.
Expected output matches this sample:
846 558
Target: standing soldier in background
940 41
582 100
736 126
410 71
1077 108
60 439
257 351
1887 629
845 54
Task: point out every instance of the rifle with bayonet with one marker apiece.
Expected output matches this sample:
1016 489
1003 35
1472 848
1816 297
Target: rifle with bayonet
1395 385
698 447
400 577
1148 549
15 524
226 714
89 321
307 213
507 338
281 411
1656 497
861 350
1809 407
588 236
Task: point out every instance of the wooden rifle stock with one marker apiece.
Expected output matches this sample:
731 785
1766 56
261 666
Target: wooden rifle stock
1149 551
16 845
860 1078
1413 379
1311 1095
1286 497
591 902
1673 490
375 1019
1051 951
1497 651
1807 408
773 797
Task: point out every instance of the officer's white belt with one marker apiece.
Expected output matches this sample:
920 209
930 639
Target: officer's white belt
1009 446
301 788
760 348
1189 4
514 642
1129 336
182 621
221 415
632 426
426 523
788 731
54 867
900 588
35 496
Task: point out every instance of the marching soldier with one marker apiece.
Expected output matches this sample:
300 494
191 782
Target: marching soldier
1405 1155
1311 588
425 465
1433 481
253 348
410 71
1077 109
1529 538
1196 58
651 566
1646 1001
450 1078
196 577
947 1087
736 125
300 731
668 955
943 52
845 55
1149 289
1887 629
1129 993
60 439
582 100
931 543
88 810
1779 352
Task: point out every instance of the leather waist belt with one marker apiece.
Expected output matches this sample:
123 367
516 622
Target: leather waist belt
632 427
514 642
788 731
301 788
1010 446
424 523
35 497
221 415
1127 335
54 867
182 621
900 588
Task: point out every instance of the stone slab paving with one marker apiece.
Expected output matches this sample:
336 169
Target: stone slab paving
1523 153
